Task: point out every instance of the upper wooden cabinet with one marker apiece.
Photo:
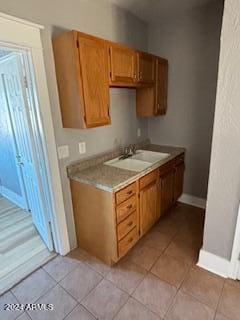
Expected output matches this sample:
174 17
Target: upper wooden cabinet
152 101
82 76
161 86
123 66
146 68
86 66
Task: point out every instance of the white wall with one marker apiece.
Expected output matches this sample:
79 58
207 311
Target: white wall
224 180
191 43
99 18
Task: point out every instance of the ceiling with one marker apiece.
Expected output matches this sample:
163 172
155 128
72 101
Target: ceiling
153 10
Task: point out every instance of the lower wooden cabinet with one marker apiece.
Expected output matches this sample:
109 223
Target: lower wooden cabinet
148 200
109 224
178 180
171 184
167 190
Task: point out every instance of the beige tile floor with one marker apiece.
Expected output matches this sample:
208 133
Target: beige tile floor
157 280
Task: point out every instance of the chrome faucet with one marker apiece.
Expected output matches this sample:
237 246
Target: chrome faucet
129 151
132 149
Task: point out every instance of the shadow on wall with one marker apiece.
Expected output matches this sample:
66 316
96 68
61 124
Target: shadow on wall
191 43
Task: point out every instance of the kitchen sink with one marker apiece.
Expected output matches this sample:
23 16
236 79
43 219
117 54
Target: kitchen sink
150 156
138 162
129 164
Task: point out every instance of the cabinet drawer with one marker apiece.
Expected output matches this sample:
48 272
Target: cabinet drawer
127 242
149 178
127 225
126 193
126 208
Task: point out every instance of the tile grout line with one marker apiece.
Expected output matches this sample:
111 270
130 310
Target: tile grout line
220 298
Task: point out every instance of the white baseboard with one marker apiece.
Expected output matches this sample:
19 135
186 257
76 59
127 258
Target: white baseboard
192 200
214 263
13 197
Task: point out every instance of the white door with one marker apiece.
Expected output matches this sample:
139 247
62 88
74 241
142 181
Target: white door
18 99
12 185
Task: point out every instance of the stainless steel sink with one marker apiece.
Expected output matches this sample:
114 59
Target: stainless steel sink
142 160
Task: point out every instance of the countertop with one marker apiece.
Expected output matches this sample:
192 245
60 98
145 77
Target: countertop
111 179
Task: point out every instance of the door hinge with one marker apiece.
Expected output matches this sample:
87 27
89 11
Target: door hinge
77 44
25 82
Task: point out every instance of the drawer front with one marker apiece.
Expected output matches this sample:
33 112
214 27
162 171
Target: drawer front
127 242
126 208
127 225
126 193
148 179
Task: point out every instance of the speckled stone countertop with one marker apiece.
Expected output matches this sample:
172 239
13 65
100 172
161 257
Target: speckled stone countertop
111 179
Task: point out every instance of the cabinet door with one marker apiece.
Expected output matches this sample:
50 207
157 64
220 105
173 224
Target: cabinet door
178 180
122 66
159 200
93 57
167 190
148 207
146 68
161 86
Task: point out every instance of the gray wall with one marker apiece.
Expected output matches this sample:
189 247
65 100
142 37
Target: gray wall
224 180
191 43
101 19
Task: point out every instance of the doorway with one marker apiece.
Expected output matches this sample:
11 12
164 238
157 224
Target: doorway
25 209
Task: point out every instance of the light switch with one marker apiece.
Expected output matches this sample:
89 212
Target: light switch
82 147
63 152
138 132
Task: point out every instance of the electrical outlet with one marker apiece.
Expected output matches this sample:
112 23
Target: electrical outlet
82 147
63 152
138 133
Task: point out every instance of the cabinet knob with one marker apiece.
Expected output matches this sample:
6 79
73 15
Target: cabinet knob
129 207
129 192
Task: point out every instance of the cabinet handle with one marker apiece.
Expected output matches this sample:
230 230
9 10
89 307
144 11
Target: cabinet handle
140 75
130 224
129 207
129 192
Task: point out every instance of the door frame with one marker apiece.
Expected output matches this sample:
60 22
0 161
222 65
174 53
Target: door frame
20 34
234 267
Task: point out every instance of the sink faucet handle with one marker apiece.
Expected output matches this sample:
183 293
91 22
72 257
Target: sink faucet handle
132 148
126 150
